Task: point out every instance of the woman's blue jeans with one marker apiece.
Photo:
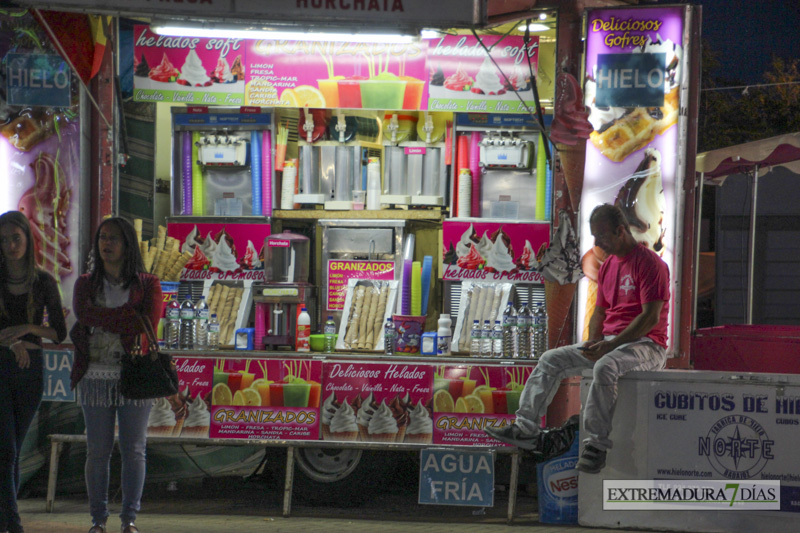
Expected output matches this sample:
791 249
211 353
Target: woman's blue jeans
132 447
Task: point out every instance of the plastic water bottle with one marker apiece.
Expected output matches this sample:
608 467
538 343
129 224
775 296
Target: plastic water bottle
201 324
173 316
486 339
213 333
475 335
389 336
330 334
187 325
539 331
497 340
510 332
524 331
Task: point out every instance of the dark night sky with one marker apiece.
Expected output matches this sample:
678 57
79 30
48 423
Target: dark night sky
747 34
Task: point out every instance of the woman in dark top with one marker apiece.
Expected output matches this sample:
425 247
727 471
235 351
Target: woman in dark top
25 293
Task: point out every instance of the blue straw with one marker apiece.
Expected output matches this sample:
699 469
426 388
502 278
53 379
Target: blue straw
427 266
255 171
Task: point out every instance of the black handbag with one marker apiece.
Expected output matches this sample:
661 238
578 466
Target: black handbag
148 375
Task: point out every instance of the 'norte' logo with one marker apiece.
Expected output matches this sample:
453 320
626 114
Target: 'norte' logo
737 447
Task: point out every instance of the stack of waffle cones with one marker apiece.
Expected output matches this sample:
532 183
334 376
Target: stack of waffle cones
558 299
573 159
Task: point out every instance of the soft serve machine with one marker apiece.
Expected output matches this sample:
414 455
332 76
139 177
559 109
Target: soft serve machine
285 291
331 171
414 171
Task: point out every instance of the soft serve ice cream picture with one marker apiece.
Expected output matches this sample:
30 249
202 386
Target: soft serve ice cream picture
186 69
502 251
377 403
221 251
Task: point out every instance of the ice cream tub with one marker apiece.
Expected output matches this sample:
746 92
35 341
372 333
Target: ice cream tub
409 333
557 481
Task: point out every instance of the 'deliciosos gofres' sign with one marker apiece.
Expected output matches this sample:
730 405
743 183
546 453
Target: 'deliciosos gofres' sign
449 477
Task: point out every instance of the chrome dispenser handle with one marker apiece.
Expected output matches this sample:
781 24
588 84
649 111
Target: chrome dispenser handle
392 128
308 127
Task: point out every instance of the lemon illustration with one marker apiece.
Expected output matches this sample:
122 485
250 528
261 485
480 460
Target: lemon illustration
252 397
443 402
474 403
221 394
461 406
239 399
308 96
289 99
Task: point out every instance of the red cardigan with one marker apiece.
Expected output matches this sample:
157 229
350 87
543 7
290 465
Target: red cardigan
145 299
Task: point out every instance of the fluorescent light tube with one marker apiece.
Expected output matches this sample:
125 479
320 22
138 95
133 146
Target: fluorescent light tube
194 31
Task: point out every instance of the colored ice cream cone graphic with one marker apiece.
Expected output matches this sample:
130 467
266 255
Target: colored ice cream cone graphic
558 299
573 159
591 301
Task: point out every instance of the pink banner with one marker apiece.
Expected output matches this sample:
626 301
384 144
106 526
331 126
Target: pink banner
463 77
265 399
221 251
468 399
383 402
333 74
493 251
187 69
340 272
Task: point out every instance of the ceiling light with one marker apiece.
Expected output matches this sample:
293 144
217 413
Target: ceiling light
542 16
217 32
535 27
429 34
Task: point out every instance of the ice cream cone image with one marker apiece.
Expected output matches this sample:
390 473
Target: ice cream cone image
363 433
344 435
558 299
326 431
401 434
573 159
176 431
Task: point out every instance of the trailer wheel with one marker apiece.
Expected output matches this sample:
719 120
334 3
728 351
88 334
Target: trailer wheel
327 465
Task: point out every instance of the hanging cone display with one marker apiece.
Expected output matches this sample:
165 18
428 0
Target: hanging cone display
558 299
573 159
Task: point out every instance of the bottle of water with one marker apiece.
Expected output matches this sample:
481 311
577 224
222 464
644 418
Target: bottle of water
539 331
330 334
486 339
389 336
510 333
475 335
524 331
213 333
187 325
173 316
201 324
497 340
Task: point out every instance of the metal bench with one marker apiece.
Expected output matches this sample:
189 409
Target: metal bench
58 440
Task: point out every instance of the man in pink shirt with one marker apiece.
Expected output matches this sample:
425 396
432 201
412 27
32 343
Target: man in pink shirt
627 332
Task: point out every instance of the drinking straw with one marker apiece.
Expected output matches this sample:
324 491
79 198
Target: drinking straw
416 288
266 173
462 161
405 308
261 325
541 179
548 201
475 167
255 172
198 189
427 266
448 143
186 149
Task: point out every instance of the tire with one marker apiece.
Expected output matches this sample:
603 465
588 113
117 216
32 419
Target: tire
338 476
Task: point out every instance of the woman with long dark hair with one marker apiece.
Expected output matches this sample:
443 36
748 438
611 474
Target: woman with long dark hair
108 303
25 293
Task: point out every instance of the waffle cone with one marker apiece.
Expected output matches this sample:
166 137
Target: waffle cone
419 438
401 434
558 299
591 301
573 159
195 431
176 432
383 437
363 433
326 431
160 431
344 435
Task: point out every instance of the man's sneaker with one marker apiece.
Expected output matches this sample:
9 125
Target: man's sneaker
592 460
512 434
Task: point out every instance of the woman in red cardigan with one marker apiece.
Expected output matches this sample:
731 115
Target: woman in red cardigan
106 303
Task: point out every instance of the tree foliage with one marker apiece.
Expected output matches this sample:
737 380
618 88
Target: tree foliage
747 113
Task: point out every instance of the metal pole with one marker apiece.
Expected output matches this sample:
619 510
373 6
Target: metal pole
752 246
698 231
